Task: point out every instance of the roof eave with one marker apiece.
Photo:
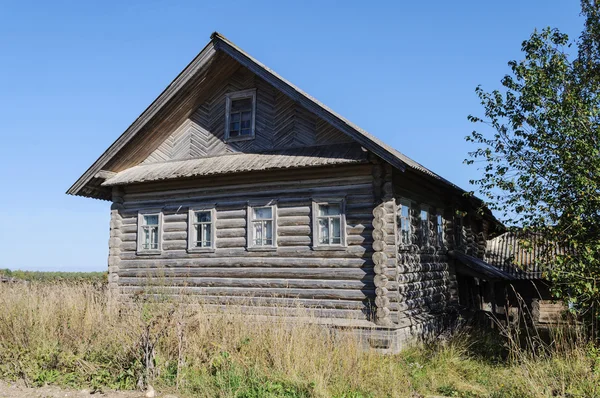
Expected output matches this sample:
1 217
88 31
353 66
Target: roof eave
199 62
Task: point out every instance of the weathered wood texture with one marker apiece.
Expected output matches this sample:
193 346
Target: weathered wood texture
280 123
426 280
339 282
384 245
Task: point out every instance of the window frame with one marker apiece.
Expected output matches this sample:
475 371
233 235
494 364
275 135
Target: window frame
140 225
440 229
408 204
316 245
192 238
250 246
229 98
424 231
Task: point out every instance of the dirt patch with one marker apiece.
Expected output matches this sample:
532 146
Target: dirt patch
19 390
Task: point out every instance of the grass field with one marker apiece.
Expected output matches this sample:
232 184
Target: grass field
67 334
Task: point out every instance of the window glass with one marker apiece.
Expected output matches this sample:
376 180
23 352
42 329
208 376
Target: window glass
150 232
262 226
440 230
405 226
424 227
203 229
240 117
329 221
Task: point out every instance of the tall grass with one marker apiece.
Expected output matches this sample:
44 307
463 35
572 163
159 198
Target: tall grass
69 335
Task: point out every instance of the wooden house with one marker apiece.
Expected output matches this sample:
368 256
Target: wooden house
238 187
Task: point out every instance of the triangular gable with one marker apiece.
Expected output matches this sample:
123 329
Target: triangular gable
280 124
184 95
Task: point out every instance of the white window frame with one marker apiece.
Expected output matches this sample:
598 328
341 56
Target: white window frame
140 236
250 246
440 229
229 97
424 230
192 238
408 204
315 224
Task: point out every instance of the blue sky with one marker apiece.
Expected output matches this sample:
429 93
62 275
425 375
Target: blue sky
75 74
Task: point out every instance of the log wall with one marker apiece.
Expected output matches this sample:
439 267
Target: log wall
425 278
340 283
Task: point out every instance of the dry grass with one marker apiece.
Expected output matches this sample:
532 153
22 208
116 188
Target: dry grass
68 335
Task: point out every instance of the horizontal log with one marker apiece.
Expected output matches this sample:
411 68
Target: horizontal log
294 240
250 272
175 245
229 214
231 233
294 230
292 221
365 283
247 261
176 235
356 251
294 211
231 223
318 294
176 217
175 226
130 237
231 242
269 306
155 199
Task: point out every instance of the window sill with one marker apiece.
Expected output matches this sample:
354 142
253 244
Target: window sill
148 252
201 250
330 248
262 249
236 139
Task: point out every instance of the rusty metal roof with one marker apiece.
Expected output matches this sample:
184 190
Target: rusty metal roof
323 155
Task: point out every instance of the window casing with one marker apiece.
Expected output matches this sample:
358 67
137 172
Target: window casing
404 223
149 232
424 227
201 230
262 227
439 228
240 115
329 224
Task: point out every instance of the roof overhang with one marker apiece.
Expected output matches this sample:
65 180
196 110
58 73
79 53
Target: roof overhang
478 268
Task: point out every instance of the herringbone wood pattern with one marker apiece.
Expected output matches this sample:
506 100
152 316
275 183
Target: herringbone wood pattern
280 123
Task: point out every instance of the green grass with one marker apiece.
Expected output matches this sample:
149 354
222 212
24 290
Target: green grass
67 334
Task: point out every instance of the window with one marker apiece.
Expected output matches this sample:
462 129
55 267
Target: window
239 115
329 225
424 227
149 232
405 226
262 227
201 232
439 226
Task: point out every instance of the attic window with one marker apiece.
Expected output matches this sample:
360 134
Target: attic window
240 115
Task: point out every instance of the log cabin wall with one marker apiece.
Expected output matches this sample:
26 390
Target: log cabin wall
337 283
425 277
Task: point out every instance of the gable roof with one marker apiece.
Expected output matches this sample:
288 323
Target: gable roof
90 183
